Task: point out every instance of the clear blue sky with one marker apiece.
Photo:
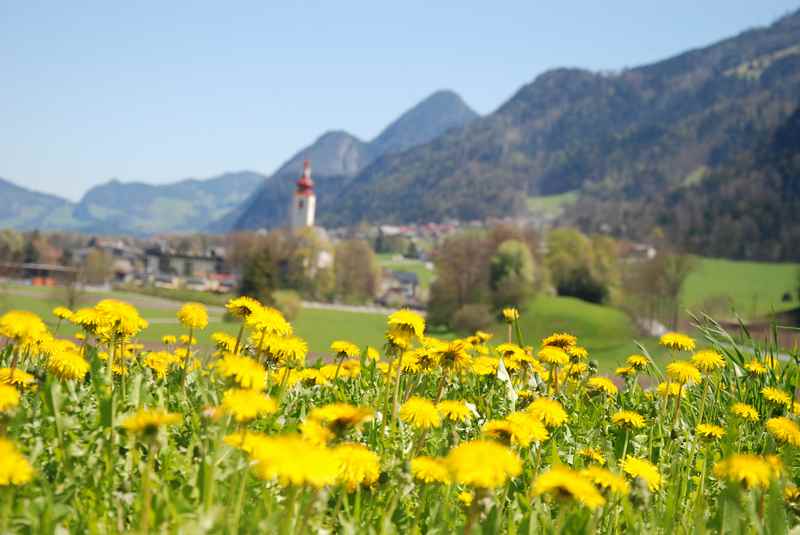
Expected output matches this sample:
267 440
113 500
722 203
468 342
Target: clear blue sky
158 91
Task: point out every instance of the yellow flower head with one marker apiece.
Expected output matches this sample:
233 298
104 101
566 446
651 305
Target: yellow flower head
68 365
9 398
628 419
168 339
454 356
553 355
776 396
316 433
710 431
784 430
744 411
357 466
644 470
683 372
293 461
14 467
373 354
593 455
160 362
116 319
429 470
483 336
454 410
147 421
243 306
405 324
671 390
755 367
341 416
563 482
62 313
16 377
510 315
509 350
606 481
518 429
193 315
247 441
22 327
708 361
483 464
748 470
677 341
637 362
245 371
420 413
560 340
485 365
625 371
549 411
602 384
343 349
247 404
269 321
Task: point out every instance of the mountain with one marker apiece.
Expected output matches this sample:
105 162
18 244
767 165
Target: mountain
336 157
129 207
23 208
624 135
184 206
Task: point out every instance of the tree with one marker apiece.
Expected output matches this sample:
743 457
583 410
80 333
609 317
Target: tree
511 275
356 270
581 267
258 276
96 267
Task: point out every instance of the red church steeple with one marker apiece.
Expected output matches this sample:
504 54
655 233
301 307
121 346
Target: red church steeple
305 186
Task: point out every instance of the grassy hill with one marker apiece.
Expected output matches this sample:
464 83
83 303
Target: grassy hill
750 289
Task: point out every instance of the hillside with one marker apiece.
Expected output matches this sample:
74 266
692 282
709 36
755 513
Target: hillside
337 157
624 135
23 208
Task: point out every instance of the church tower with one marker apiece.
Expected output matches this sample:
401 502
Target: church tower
304 202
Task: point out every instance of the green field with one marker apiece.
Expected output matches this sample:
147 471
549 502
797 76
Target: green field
750 289
414 266
551 205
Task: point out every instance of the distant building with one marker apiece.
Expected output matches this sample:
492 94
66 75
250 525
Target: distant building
304 202
160 262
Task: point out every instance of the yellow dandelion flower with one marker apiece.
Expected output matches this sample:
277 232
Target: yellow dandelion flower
14 467
68 365
485 365
483 464
147 421
454 356
744 411
245 371
669 389
683 372
625 371
602 384
784 430
62 313
315 432
243 306
9 398
562 482
405 324
677 341
746 469
373 354
710 431
454 410
560 340
292 461
341 416
160 362
642 469
193 315
22 327
755 367
343 349
420 413
553 355
169 339
792 494
593 455
776 396
708 360
577 353
466 498
483 336
269 321
628 419
247 441
16 377
606 481
518 428
549 411
247 404
637 362
510 315
357 465
429 470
